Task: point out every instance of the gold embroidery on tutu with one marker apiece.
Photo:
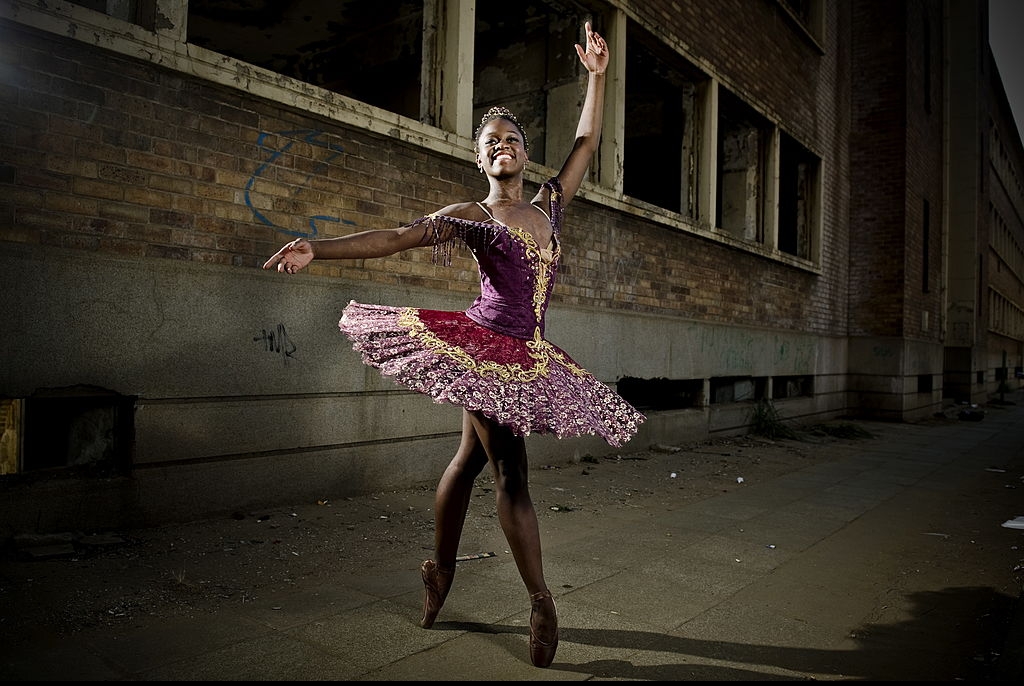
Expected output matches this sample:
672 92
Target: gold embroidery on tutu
539 349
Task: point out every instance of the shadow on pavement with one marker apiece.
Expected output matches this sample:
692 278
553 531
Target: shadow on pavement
970 622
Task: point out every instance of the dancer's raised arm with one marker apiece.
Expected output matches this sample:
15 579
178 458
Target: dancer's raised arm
595 58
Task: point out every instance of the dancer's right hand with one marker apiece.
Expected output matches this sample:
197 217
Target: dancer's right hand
292 257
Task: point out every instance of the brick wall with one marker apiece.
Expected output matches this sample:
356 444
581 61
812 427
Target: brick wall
878 200
922 316
103 153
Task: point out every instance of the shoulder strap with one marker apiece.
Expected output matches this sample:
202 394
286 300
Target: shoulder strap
541 210
487 212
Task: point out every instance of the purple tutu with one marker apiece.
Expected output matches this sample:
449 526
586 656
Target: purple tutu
527 385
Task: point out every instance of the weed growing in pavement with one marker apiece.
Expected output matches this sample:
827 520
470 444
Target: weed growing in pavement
765 421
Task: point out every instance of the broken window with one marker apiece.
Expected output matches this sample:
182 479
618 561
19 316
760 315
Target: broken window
524 60
798 197
139 12
368 50
809 14
792 387
743 137
405 57
734 389
661 393
661 147
81 429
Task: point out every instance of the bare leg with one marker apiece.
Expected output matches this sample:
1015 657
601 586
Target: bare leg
451 502
518 518
454 490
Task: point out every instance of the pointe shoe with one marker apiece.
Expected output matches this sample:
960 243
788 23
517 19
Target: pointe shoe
437 581
541 654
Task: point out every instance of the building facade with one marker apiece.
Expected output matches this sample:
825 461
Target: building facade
811 204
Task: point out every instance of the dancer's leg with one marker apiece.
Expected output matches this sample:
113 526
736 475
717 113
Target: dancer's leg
451 502
454 490
516 514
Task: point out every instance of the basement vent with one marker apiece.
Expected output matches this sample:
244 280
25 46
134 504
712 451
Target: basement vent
661 394
78 430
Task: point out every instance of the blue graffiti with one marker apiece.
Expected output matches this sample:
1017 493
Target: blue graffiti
311 137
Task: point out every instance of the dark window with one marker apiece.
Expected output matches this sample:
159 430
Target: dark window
524 60
81 429
661 393
732 389
808 13
139 12
742 157
369 50
661 147
798 193
792 387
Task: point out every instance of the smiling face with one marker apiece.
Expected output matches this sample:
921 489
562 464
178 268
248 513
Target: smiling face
500 148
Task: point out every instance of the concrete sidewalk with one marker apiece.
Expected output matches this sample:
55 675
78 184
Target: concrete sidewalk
887 560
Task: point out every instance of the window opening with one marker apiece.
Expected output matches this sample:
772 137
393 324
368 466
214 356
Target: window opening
809 14
80 429
661 393
925 383
742 156
733 389
798 193
792 387
661 146
368 50
521 62
140 12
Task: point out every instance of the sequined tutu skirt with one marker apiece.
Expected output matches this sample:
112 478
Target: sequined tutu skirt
530 386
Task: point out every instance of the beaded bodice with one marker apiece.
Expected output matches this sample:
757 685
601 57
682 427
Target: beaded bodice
516 274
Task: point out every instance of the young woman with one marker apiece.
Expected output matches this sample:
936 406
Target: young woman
492 359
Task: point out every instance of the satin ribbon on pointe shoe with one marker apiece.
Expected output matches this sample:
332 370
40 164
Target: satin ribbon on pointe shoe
541 654
433 594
